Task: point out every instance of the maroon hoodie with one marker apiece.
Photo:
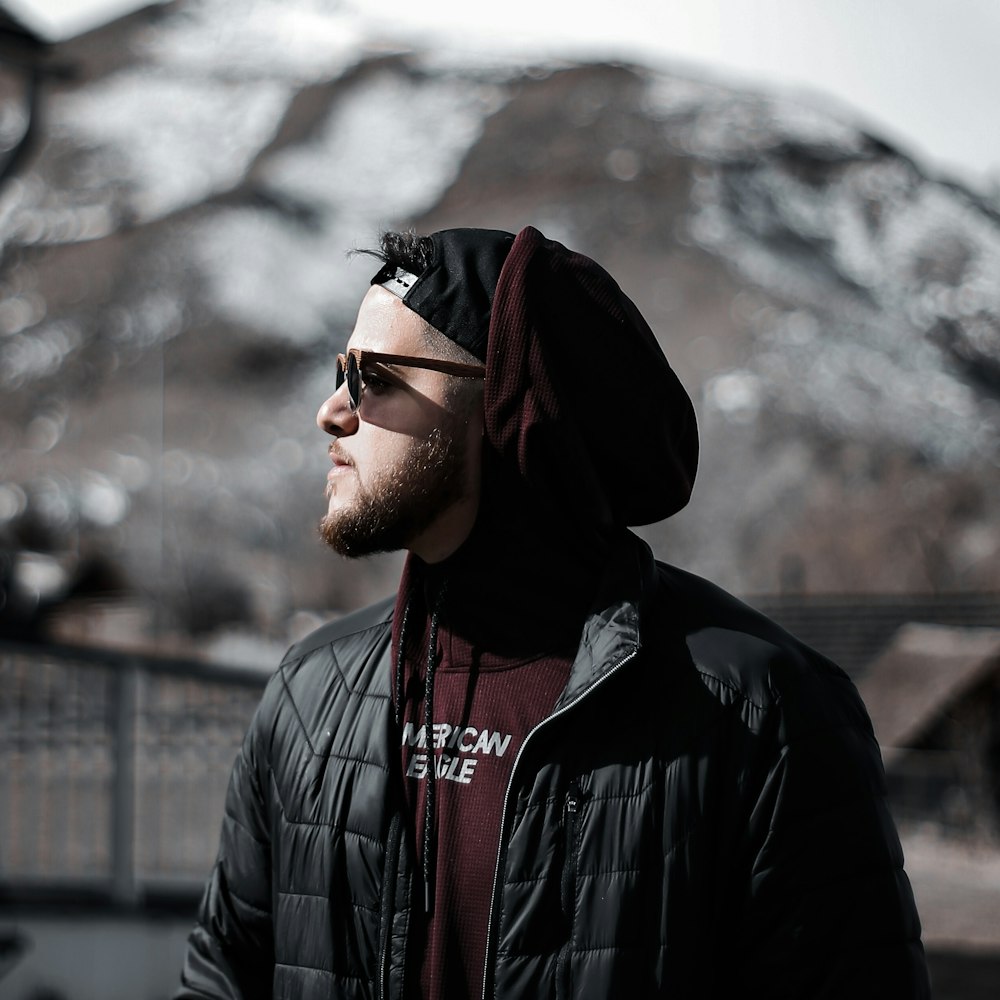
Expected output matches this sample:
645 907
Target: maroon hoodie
587 430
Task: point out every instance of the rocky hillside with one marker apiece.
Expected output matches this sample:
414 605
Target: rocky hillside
175 285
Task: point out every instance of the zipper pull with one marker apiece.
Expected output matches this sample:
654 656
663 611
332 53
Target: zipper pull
574 796
567 885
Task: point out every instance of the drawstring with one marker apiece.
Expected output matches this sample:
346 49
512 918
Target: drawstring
429 791
400 671
399 696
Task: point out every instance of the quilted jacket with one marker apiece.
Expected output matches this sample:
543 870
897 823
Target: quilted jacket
703 814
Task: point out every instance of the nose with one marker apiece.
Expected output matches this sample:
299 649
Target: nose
335 415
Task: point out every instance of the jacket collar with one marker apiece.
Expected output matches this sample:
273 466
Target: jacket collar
612 632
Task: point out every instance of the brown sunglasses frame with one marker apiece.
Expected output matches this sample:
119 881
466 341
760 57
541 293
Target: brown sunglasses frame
407 361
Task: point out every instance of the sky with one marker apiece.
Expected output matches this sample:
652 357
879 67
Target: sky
923 74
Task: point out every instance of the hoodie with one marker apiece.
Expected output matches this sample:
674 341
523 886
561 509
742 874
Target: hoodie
587 431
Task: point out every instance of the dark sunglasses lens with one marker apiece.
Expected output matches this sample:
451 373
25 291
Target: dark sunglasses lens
340 373
353 382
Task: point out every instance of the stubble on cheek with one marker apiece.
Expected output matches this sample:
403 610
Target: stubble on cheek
401 501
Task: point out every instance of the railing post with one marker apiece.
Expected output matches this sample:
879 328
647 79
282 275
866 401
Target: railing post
123 792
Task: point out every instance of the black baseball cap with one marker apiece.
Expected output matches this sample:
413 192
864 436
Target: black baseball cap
455 291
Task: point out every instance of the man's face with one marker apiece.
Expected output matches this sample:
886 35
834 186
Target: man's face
406 466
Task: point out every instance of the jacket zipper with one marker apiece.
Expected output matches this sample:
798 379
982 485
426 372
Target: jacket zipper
569 833
506 800
568 887
388 890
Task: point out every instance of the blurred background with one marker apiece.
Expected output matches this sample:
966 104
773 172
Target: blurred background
804 201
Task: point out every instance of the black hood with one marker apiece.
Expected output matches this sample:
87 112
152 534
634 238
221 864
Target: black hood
581 405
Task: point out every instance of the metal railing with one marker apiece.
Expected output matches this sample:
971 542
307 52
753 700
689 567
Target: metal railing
113 770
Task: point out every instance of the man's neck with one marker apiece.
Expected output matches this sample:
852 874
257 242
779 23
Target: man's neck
447 534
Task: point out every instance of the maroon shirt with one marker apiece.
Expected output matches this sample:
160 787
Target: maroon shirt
484 706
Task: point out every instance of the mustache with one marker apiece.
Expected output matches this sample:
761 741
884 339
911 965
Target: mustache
337 455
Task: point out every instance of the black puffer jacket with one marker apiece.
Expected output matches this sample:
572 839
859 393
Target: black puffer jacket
703 814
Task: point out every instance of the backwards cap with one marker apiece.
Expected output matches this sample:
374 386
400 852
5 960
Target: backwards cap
455 292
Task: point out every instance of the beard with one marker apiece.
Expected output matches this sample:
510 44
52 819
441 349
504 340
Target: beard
402 500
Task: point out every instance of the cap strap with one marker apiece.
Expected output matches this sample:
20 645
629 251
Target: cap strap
395 280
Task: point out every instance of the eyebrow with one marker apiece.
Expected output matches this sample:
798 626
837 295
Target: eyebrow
384 369
416 361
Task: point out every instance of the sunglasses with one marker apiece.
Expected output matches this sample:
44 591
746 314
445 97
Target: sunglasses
350 369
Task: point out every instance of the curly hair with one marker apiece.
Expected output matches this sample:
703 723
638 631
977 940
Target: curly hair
406 250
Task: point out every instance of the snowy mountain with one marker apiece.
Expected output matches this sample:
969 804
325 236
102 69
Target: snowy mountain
175 285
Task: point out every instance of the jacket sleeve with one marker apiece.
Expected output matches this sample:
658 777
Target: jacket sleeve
829 910
230 951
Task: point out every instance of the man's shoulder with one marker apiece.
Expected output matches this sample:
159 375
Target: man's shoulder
357 628
332 667
345 654
695 605
737 650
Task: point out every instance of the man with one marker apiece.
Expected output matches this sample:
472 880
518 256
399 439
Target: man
552 766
